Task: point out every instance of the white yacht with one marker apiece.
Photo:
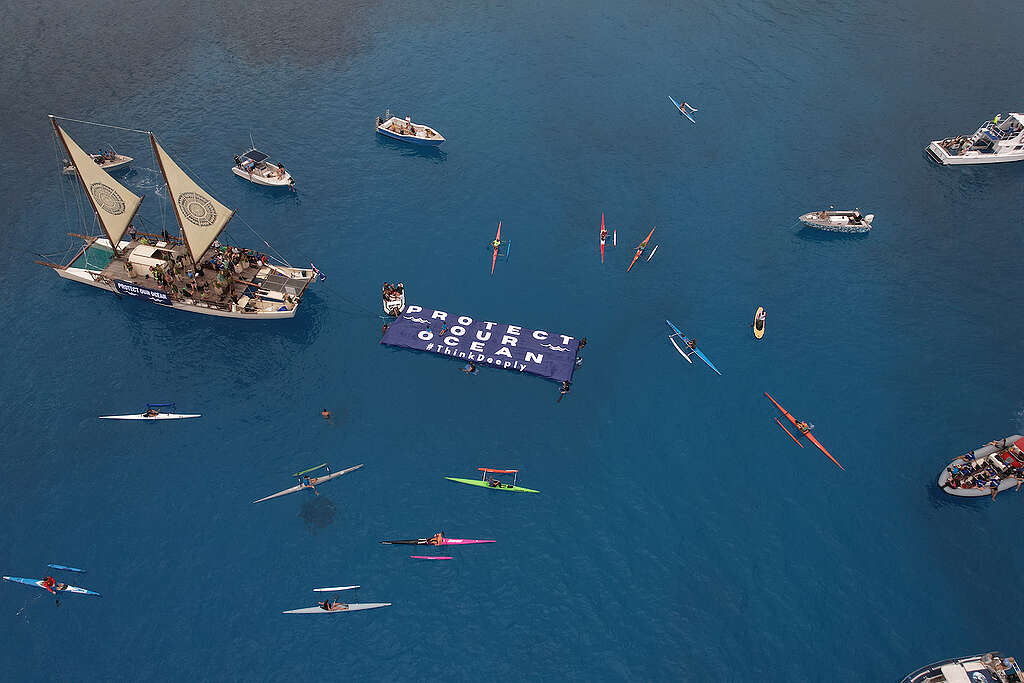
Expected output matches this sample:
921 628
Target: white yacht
256 167
191 271
997 140
987 668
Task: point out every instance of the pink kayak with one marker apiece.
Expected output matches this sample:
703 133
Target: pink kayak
431 557
446 541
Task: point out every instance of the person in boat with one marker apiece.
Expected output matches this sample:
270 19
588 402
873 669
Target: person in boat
151 412
436 539
692 343
379 120
604 234
326 414
280 170
583 342
496 244
804 427
684 106
50 584
494 483
563 390
993 485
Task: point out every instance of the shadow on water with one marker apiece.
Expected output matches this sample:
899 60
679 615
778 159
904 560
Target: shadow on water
318 513
408 150
812 235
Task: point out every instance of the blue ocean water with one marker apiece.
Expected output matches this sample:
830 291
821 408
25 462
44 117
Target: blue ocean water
679 534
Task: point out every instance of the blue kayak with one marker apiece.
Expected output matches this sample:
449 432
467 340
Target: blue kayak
686 340
38 583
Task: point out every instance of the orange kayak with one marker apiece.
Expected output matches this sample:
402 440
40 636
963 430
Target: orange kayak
643 245
805 432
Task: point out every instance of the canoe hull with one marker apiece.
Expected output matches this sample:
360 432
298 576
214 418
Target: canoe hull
315 481
161 416
485 485
354 607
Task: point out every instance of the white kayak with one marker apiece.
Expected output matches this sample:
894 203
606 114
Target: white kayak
342 607
314 481
158 416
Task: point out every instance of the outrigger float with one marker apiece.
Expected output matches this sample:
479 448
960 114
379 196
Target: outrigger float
971 475
191 272
493 482
691 347
153 413
310 482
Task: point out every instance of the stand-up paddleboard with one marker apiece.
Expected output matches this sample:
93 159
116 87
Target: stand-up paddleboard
354 607
679 108
759 323
38 583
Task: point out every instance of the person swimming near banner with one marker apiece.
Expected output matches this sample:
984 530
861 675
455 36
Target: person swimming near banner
469 369
563 390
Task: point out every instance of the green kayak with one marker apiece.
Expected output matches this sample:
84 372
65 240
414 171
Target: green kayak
487 485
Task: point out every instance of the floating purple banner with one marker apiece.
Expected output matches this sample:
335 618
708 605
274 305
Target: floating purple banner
484 343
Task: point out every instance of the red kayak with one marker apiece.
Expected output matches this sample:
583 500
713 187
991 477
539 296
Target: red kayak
604 236
497 238
643 245
804 431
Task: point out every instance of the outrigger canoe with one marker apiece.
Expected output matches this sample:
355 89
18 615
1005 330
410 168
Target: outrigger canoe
686 341
340 607
446 541
38 583
682 111
497 238
313 481
640 249
159 416
484 482
805 431
604 236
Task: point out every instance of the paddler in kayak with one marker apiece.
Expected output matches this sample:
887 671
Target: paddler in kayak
50 584
436 539
496 244
151 412
684 106
563 390
692 343
804 426
335 606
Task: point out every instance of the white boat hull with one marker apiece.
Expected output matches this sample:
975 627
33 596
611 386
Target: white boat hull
260 179
836 223
354 607
159 416
941 156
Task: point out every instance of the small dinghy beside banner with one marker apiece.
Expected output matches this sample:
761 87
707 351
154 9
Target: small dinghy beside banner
537 352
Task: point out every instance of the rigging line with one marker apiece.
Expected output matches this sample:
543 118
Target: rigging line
104 125
279 255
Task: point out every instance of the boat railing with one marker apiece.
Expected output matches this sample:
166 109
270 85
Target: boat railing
992 131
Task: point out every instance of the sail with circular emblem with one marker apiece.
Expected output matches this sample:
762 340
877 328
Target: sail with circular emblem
114 204
200 216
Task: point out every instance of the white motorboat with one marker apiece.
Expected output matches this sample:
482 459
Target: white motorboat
255 167
192 271
407 131
998 140
393 299
987 668
838 221
108 161
997 465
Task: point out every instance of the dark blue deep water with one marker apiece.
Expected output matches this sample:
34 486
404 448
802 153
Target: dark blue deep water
679 534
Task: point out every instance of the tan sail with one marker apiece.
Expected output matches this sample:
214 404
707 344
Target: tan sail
200 216
114 204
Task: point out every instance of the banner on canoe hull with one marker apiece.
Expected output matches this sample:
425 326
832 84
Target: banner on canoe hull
154 295
484 343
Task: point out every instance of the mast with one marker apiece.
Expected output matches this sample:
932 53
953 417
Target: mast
109 192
